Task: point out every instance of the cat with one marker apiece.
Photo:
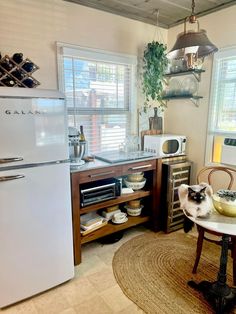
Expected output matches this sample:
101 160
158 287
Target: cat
196 201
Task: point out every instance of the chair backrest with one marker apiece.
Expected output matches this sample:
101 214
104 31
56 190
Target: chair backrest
218 177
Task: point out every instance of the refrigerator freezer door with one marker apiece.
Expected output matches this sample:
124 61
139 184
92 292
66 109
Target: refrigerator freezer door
35 231
32 130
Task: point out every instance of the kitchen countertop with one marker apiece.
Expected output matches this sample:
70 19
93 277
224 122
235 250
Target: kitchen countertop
96 164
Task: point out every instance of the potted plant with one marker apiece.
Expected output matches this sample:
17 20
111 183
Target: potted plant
155 63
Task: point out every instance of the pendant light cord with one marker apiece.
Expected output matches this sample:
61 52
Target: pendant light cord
193 7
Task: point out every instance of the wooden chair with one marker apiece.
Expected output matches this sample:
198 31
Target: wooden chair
225 175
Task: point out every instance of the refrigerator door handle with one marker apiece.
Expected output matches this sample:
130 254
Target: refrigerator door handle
8 178
6 160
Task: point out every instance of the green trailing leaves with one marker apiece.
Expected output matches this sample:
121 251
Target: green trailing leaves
154 65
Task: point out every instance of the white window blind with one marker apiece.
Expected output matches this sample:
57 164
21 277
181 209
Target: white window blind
222 114
99 89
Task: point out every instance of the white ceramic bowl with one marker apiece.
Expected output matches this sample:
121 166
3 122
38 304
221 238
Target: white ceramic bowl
135 185
135 177
134 211
134 203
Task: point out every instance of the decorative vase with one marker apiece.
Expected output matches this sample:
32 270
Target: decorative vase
155 123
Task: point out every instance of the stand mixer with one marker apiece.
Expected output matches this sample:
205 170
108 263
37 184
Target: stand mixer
77 148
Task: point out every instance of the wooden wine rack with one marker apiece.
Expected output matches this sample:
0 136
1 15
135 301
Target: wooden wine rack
4 73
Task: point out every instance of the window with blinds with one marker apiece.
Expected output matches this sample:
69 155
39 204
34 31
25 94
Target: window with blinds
222 114
99 88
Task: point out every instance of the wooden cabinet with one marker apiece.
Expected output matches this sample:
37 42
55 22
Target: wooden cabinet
150 196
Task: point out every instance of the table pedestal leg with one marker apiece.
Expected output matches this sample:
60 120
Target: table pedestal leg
218 293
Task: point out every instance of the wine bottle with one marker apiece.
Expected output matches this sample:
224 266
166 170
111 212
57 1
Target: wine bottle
28 66
8 81
7 64
29 82
17 57
81 135
18 74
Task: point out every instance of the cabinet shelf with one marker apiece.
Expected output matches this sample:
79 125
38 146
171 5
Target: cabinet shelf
111 228
196 73
193 98
120 199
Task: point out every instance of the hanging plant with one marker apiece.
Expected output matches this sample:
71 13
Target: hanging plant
154 66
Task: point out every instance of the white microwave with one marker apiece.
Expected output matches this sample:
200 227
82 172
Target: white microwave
165 145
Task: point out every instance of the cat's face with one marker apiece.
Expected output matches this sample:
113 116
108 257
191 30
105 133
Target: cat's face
196 196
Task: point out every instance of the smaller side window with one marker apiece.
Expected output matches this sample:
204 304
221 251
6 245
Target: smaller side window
221 137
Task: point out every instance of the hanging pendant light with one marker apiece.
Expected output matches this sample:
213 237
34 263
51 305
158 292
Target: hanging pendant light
192 45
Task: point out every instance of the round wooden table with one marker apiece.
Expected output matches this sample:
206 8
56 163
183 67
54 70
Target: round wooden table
218 293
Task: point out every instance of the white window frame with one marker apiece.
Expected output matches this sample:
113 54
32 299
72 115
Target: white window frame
103 56
222 53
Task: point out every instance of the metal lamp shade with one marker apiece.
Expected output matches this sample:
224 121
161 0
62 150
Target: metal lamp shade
192 39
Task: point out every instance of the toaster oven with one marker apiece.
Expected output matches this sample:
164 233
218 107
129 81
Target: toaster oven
99 191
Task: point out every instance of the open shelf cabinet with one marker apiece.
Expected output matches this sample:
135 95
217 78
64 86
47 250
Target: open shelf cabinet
150 196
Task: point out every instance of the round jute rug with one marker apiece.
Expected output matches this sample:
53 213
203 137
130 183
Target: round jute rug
153 270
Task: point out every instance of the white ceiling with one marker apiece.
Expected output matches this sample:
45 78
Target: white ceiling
170 12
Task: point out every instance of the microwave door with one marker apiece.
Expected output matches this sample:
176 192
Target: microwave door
170 146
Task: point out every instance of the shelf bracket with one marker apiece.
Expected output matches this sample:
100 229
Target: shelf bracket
197 76
195 102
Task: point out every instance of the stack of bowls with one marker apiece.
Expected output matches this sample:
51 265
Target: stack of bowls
135 177
135 181
134 208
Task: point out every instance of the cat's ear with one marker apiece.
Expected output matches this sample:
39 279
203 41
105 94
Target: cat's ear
209 190
203 189
190 190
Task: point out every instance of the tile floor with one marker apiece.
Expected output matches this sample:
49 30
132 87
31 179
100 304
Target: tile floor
93 290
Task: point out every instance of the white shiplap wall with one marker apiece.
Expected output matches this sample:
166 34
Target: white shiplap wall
33 27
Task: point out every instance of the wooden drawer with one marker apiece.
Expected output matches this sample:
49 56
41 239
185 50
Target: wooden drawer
99 174
139 166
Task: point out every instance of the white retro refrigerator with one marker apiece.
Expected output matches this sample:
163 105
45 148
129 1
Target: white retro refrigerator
36 250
